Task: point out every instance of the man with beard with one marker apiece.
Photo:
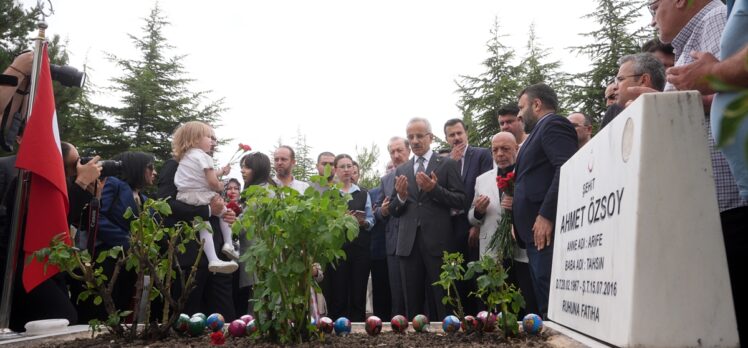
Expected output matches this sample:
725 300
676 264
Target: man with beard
284 159
551 141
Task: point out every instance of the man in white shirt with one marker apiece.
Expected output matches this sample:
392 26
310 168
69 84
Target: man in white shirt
284 159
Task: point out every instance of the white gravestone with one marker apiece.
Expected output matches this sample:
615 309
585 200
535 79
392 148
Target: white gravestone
639 258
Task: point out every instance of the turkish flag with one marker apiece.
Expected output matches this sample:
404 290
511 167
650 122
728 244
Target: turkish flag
40 154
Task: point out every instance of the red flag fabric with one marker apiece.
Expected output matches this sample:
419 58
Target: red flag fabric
40 154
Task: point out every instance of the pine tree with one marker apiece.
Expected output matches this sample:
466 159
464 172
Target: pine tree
81 121
305 165
611 41
156 95
483 94
369 177
534 70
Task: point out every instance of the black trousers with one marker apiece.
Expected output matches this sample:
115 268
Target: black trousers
380 289
397 291
346 295
49 300
735 232
418 272
519 275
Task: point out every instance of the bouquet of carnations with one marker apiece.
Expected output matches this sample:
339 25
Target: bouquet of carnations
501 241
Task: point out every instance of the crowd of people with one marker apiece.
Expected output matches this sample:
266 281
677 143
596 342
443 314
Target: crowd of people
428 202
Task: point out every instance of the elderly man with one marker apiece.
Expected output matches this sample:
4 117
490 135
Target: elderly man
426 189
284 160
583 125
642 70
610 97
551 142
486 210
399 150
697 26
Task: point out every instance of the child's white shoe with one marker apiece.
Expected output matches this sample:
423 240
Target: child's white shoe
230 252
219 266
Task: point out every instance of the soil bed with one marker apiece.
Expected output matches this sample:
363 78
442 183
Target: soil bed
385 339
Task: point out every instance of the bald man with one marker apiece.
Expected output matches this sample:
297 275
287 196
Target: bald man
486 211
583 126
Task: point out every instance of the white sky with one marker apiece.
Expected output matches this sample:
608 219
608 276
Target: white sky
345 73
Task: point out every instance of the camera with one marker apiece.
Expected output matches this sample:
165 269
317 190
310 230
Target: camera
67 75
108 167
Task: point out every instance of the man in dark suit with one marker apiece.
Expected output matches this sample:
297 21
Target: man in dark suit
399 150
213 291
426 188
471 162
551 141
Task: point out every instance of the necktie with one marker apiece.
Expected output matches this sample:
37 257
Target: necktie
420 165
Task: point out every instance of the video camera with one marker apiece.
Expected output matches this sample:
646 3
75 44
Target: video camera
108 167
66 75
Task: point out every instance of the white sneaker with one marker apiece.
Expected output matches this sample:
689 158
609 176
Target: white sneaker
230 252
219 266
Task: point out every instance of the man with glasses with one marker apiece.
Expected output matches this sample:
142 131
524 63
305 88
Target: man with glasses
694 28
426 188
636 70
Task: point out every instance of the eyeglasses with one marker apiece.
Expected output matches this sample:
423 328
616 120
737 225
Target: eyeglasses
620 79
653 6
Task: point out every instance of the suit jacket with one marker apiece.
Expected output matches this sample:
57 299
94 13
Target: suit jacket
478 160
537 170
184 212
386 189
429 210
378 232
485 185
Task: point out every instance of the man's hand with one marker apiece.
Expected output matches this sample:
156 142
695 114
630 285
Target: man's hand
693 75
506 202
542 230
217 205
474 236
401 187
425 183
385 209
229 216
457 151
85 174
481 204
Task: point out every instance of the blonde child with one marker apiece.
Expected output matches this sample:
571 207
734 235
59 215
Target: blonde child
197 183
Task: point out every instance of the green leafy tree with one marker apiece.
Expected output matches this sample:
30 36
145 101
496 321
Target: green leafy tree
481 95
495 292
452 273
369 176
289 233
153 252
155 93
612 40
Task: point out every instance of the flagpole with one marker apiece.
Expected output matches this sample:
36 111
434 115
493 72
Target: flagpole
19 207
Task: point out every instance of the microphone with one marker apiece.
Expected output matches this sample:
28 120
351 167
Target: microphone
8 80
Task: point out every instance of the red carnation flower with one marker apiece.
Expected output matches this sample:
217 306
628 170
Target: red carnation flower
217 338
